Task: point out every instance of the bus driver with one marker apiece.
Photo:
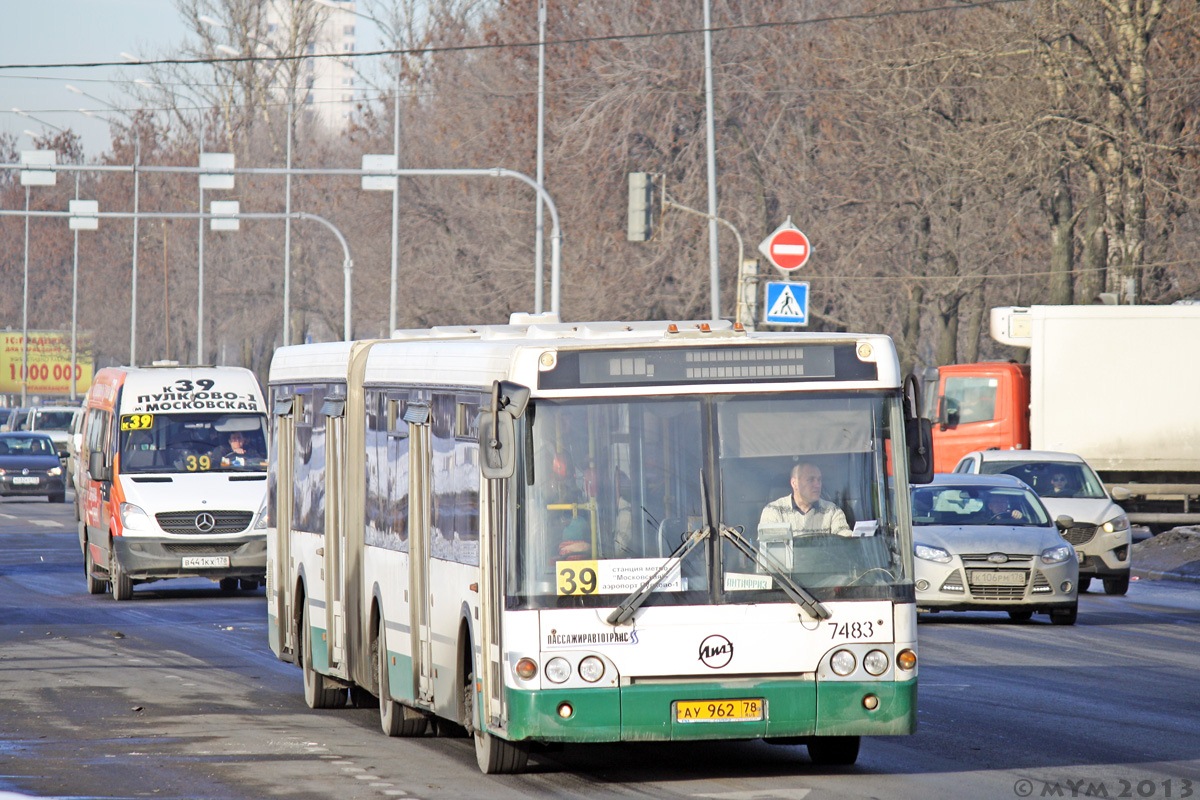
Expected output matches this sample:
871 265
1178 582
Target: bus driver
803 512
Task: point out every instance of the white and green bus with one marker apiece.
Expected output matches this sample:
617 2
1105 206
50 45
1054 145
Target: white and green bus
549 533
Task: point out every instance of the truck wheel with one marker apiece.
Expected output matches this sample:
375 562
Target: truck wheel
1118 585
118 580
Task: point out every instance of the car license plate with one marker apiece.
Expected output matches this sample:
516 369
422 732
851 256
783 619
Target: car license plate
205 562
999 578
25 481
739 710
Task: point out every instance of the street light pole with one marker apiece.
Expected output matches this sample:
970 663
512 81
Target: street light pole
539 229
395 276
137 160
714 265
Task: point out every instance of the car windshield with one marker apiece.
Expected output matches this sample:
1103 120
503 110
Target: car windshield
54 419
193 443
1052 479
977 505
26 446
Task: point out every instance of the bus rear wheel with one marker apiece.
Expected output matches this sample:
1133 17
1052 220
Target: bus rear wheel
834 751
494 756
396 719
319 691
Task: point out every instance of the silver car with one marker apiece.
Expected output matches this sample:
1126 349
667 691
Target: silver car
987 543
1069 487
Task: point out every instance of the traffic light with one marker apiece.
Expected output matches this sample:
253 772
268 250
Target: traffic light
640 224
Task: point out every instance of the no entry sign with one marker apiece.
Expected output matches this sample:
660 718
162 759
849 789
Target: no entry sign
787 248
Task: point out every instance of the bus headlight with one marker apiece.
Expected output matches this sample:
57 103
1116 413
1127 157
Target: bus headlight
526 668
557 670
591 669
843 662
875 662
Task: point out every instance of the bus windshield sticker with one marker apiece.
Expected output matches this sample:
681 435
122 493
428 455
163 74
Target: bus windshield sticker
616 575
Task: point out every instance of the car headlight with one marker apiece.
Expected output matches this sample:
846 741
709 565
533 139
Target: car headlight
1117 523
1056 554
260 519
133 518
930 553
54 471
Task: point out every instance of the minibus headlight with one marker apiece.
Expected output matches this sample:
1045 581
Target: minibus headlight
133 518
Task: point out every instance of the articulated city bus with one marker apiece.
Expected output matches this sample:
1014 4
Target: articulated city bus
551 533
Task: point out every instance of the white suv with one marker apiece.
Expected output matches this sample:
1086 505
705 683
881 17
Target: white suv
1069 487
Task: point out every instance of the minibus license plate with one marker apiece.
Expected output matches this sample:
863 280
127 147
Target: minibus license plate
205 562
739 710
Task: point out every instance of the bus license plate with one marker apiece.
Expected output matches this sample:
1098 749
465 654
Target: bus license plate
739 710
205 562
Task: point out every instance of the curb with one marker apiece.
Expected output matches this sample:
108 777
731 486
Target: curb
1156 575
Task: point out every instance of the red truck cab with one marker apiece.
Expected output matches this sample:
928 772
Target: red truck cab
979 407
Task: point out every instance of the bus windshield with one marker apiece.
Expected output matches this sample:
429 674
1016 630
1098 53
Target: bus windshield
193 443
610 489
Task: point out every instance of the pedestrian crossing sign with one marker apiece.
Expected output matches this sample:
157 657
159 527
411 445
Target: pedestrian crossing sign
787 303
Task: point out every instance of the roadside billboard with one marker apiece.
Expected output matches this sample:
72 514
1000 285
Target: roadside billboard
49 361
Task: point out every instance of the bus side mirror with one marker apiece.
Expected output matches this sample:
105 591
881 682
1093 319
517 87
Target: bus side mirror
918 434
97 468
497 429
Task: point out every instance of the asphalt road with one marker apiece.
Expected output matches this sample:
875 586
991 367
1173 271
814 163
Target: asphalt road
175 694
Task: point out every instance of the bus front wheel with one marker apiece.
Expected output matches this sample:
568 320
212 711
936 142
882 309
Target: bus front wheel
834 751
494 755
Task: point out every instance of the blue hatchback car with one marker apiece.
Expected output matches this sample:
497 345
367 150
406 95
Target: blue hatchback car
29 465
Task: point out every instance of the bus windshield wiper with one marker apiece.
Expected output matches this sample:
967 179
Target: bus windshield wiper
800 596
634 601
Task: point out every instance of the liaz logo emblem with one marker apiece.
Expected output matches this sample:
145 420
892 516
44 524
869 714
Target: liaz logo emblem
716 652
205 522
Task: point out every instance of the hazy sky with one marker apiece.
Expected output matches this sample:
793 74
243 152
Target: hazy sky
74 31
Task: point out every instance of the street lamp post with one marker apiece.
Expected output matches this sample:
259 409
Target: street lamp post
395 272
137 159
287 202
25 281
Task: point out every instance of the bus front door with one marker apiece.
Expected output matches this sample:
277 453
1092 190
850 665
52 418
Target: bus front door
420 500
